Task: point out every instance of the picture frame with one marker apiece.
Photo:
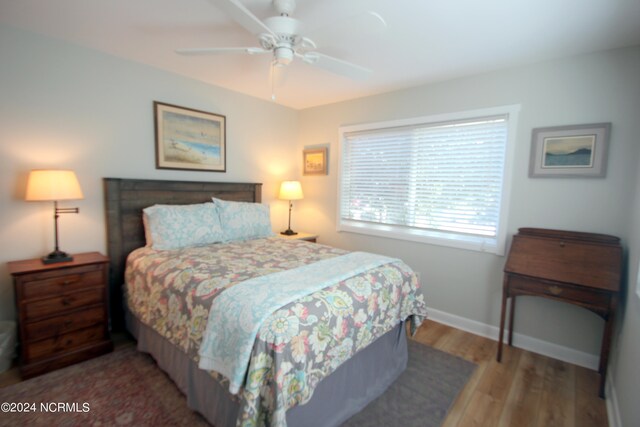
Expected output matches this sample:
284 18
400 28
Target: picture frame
189 139
570 151
314 161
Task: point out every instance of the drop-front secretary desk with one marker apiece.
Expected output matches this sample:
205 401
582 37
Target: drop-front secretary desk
574 267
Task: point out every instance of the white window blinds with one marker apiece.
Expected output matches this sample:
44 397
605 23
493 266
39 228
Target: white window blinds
443 179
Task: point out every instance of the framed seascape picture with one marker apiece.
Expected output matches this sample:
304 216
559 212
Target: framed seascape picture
189 139
315 161
570 151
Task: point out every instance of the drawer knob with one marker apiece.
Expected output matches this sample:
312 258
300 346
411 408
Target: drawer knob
562 244
67 301
555 290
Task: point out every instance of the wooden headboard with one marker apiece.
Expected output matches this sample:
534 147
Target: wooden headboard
124 201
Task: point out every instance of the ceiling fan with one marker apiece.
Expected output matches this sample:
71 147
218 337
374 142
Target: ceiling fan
280 36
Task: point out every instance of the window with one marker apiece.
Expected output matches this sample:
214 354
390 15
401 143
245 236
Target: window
439 179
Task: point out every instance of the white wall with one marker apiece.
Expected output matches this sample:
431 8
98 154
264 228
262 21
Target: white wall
624 371
70 107
601 87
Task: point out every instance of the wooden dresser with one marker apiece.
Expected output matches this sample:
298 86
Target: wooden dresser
62 311
578 268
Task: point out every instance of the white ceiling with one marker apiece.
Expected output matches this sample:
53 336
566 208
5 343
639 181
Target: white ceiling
425 40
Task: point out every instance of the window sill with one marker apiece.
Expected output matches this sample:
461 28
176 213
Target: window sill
479 244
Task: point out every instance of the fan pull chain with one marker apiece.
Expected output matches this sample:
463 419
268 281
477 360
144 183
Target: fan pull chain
272 78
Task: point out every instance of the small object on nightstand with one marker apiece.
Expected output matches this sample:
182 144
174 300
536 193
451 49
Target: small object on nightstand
300 236
54 185
62 311
290 190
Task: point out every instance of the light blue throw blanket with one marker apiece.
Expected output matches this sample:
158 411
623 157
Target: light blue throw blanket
237 313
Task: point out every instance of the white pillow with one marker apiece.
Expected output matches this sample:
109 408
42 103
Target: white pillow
180 226
242 221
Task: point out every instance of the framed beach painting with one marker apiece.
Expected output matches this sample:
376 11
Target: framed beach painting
314 161
570 151
189 139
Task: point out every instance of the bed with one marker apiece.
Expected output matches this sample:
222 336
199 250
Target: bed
293 377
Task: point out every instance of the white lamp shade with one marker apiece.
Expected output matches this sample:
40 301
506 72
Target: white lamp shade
53 185
290 190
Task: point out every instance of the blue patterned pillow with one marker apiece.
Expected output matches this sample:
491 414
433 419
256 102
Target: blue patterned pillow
181 226
242 221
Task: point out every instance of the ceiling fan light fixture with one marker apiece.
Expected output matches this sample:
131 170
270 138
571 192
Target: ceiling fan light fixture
283 56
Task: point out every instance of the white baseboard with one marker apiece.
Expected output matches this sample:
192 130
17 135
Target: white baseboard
613 411
526 342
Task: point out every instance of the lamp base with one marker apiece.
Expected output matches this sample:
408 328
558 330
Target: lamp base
288 232
56 256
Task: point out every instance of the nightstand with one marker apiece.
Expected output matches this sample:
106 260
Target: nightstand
62 311
300 236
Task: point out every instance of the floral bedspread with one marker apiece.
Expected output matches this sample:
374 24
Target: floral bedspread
299 344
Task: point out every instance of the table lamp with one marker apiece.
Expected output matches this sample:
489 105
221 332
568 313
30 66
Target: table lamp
290 190
54 185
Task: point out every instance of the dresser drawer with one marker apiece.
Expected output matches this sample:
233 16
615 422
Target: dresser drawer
58 282
61 304
64 343
524 285
63 324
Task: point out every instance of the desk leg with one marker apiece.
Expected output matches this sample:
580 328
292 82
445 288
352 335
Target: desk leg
502 316
512 309
606 343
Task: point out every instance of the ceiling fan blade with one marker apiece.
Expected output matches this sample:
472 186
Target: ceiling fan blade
221 50
336 66
364 24
242 16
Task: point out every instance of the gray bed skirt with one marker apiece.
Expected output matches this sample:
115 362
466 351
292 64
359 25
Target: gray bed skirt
338 397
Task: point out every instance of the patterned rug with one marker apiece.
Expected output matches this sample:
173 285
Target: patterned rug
127 388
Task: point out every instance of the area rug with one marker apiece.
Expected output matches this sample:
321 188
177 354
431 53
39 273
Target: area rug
423 394
127 388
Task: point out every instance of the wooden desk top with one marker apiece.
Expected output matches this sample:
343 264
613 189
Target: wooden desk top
586 259
36 265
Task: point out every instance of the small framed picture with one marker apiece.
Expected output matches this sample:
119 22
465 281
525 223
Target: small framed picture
570 151
189 139
314 161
